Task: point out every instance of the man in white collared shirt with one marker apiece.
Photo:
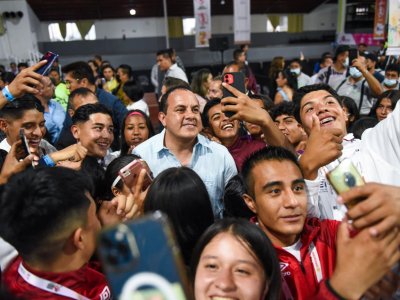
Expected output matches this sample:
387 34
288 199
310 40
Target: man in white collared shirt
166 63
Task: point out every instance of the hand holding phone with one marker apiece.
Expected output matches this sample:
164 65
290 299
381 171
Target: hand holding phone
50 57
130 174
344 177
141 260
25 145
237 80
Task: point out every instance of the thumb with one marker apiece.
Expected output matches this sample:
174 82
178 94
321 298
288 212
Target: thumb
25 163
315 123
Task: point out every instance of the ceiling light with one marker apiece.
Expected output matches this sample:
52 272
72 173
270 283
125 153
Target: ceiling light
132 12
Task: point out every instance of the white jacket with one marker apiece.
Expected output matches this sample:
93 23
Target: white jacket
376 156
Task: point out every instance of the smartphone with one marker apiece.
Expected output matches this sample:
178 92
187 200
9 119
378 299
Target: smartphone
130 174
50 57
25 144
141 260
235 79
344 177
353 54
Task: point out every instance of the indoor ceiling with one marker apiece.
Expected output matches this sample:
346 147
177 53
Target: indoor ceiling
65 10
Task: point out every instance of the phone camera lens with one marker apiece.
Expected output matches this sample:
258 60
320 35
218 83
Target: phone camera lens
349 179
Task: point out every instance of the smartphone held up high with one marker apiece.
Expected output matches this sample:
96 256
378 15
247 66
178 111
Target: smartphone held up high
50 57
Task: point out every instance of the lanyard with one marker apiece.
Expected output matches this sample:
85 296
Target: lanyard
47 285
317 268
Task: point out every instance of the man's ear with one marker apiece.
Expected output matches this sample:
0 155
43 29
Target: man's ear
3 125
75 131
116 192
78 239
161 118
251 204
71 112
84 82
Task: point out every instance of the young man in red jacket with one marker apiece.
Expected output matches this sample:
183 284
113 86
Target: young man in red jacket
318 258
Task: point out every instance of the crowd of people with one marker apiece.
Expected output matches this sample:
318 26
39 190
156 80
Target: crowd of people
244 180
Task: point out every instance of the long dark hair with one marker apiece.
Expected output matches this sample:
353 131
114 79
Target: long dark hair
182 195
257 242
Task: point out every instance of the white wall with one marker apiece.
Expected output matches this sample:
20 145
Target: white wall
20 38
324 17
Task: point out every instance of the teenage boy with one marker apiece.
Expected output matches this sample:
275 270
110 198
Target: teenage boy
318 259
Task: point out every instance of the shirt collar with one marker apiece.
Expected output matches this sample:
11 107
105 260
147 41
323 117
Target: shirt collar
159 145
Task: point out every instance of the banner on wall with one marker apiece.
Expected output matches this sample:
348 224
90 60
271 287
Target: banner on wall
357 38
241 21
394 28
380 19
202 14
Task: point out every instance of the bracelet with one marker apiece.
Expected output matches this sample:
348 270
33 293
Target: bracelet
7 94
48 161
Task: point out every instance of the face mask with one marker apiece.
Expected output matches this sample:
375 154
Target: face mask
389 82
354 72
296 71
346 62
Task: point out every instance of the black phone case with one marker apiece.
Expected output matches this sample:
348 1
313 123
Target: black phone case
237 83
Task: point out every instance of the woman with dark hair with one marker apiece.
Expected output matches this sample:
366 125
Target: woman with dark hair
234 258
351 110
385 104
286 82
133 95
136 128
181 194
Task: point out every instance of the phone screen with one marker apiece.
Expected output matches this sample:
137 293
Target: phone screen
50 57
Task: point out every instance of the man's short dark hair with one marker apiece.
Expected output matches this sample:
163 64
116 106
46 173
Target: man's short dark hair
80 70
164 98
301 92
394 68
284 108
82 91
341 49
15 109
270 153
133 90
126 69
83 113
204 116
295 60
237 53
266 100
372 56
39 207
23 64
167 53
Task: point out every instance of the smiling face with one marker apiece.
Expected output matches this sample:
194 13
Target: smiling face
33 124
136 130
280 200
182 120
327 108
290 128
108 73
96 134
226 131
228 270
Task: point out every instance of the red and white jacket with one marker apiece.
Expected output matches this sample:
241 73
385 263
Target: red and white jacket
308 279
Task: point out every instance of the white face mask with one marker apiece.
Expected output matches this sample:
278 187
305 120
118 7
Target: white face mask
296 71
346 62
389 82
354 72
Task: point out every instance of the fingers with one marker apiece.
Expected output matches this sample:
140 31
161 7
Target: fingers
343 234
38 65
357 192
120 203
139 184
315 126
231 89
383 226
